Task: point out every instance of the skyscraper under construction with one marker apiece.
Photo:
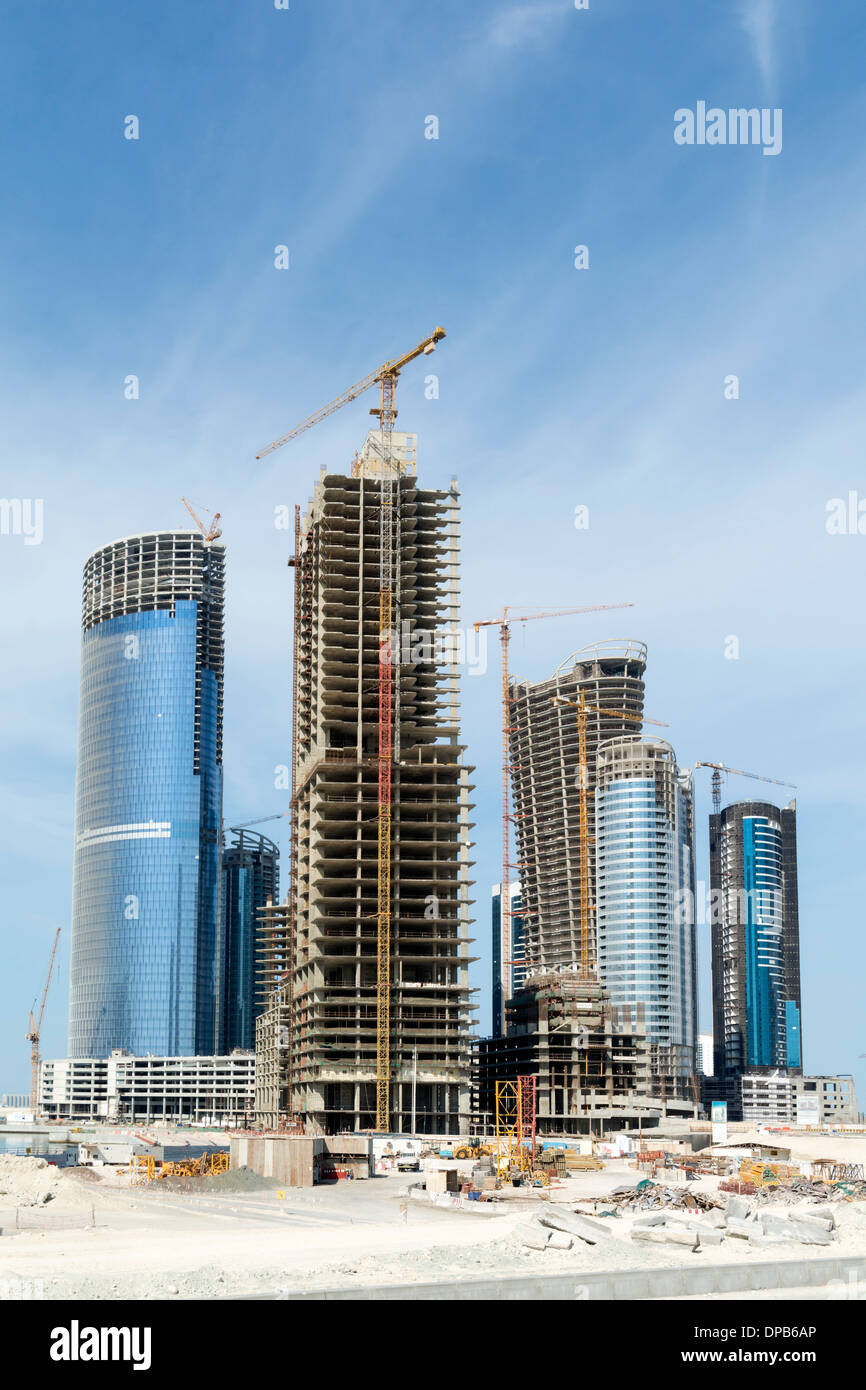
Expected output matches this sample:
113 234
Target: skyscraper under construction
336 890
545 780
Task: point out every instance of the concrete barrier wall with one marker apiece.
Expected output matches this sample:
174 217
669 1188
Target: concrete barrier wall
623 1285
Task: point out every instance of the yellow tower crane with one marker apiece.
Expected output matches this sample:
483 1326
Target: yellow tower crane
584 709
386 378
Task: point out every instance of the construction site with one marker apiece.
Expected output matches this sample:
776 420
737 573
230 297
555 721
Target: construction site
372 1142
775 1213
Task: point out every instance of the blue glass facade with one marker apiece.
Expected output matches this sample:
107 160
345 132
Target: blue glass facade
757 1019
765 963
147 827
644 874
250 881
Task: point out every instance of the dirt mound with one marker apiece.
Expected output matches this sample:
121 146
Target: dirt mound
27 1180
81 1174
240 1180
236 1180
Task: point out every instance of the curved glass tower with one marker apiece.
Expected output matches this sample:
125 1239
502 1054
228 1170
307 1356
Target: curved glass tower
143 972
645 888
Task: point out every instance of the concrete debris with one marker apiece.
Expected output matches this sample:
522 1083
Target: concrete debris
558 1240
557 1230
574 1225
737 1207
739 1226
533 1236
740 1220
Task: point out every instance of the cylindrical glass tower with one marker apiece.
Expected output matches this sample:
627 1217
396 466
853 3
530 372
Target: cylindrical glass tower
148 799
645 895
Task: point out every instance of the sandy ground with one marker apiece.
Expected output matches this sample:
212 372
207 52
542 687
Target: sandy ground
206 1241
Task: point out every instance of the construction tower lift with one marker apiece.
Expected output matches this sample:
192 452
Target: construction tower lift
587 968
504 624
719 768
385 377
35 1031
210 533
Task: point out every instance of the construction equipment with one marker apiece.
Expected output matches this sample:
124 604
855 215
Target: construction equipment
386 378
210 533
719 768
474 1148
504 624
587 968
35 1030
388 372
260 820
142 1169
515 1128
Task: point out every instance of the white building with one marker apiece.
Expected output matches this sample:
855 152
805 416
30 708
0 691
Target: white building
774 1097
705 1053
189 1090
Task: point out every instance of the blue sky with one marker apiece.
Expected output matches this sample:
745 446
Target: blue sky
559 387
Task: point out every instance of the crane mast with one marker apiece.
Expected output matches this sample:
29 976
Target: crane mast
719 768
35 1030
386 378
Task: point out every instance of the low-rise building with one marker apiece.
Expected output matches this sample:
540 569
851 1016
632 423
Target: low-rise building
776 1096
186 1090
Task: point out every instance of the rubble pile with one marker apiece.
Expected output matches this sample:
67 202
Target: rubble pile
556 1229
653 1196
741 1220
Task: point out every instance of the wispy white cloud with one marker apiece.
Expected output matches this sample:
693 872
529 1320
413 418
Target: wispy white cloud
522 23
758 19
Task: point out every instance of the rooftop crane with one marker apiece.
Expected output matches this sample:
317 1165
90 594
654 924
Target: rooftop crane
210 533
260 820
504 624
35 1030
387 373
719 768
583 712
386 378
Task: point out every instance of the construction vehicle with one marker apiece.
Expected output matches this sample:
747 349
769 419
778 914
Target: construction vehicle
504 624
474 1148
587 967
385 377
35 1029
210 533
719 768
